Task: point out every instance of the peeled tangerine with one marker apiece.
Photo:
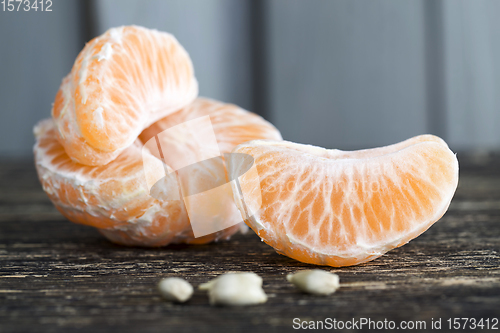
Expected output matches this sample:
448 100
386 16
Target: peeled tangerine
115 198
120 83
339 208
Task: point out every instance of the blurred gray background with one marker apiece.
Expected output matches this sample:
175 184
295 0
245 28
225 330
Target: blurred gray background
343 74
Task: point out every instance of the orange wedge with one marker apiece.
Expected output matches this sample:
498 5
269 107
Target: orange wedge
339 208
111 197
115 198
120 83
231 124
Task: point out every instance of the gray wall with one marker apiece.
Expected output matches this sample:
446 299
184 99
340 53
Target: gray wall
347 74
353 74
338 73
472 73
36 50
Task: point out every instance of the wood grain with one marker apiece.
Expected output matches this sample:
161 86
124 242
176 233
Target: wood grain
57 276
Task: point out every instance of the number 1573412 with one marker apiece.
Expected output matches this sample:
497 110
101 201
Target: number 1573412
26 5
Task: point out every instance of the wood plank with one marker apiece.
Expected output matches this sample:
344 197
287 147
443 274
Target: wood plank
57 276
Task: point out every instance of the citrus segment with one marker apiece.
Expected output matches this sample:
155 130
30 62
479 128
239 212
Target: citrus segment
193 141
116 198
113 198
337 208
120 83
231 125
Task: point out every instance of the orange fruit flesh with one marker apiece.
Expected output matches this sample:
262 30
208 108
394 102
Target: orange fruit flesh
231 124
107 197
115 198
120 83
330 207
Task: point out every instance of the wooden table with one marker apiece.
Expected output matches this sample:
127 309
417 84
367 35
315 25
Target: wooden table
58 276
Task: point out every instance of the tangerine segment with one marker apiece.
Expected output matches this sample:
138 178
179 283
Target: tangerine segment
120 83
231 124
330 207
113 198
203 179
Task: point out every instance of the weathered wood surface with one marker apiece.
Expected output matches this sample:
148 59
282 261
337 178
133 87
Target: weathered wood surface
57 276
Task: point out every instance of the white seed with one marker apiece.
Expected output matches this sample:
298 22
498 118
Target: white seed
315 281
175 289
235 289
